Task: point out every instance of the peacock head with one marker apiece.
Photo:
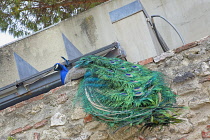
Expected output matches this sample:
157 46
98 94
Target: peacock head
58 67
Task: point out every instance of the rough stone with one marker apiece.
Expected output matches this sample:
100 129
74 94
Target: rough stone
62 98
58 119
192 51
139 138
186 88
36 108
78 114
99 135
124 133
165 138
196 102
190 115
51 100
10 109
184 128
2 122
203 121
183 138
83 136
163 56
174 61
205 79
184 77
153 138
51 134
102 126
36 136
208 127
72 130
197 71
92 125
205 69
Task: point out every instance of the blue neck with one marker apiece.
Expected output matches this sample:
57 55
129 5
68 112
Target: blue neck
63 73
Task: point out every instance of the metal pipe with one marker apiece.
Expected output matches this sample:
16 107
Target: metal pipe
46 80
159 38
171 26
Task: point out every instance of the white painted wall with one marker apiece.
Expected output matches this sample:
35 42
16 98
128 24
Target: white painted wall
93 29
191 17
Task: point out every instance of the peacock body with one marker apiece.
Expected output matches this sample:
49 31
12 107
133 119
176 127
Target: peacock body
63 71
121 93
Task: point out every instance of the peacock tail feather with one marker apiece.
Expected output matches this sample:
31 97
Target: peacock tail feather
121 93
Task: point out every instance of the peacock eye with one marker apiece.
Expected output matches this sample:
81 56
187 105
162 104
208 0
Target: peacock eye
134 66
129 75
56 66
137 88
138 93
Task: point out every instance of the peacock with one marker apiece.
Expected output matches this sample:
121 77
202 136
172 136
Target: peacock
121 93
62 69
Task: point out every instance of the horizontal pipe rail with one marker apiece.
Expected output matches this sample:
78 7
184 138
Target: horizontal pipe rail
46 80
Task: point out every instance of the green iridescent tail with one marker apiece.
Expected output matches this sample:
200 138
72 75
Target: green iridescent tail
121 93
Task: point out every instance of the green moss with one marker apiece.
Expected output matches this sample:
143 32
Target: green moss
11 138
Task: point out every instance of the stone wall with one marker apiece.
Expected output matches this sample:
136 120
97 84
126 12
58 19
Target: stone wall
51 116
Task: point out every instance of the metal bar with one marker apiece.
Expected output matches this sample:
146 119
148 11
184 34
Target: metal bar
125 11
